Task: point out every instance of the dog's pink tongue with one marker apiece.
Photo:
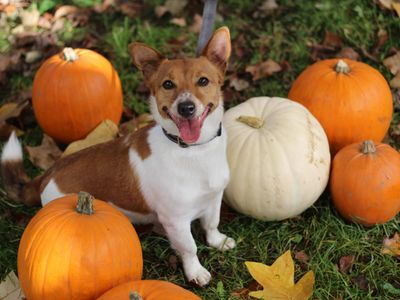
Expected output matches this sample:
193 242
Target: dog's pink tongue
189 130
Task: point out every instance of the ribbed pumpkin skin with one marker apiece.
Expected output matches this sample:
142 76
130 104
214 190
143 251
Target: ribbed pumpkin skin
350 107
149 290
71 98
278 170
67 255
366 187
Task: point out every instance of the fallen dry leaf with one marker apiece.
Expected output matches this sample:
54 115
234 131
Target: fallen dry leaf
196 25
362 282
129 8
181 22
175 7
302 256
346 263
263 69
391 246
64 10
386 4
266 8
30 18
5 61
10 288
11 110
393 63
332 39
278 280
46 154
104 132
349 53
6 130
238 83
396 7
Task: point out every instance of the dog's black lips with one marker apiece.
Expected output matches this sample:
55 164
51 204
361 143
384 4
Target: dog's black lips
166 110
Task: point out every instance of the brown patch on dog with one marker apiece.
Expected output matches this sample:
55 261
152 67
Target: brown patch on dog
105 172
138 141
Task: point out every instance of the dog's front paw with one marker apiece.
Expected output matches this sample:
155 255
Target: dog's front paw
200 276
220 241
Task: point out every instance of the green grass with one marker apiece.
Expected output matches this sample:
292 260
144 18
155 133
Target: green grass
282 36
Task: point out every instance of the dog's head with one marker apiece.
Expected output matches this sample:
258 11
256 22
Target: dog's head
186 93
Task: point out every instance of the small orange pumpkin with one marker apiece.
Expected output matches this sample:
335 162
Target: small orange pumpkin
350 99
149 290
365 183
73 92
77 247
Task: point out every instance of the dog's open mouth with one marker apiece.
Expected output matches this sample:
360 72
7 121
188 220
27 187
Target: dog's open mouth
189 128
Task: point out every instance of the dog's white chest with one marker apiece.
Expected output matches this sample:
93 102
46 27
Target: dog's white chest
182 180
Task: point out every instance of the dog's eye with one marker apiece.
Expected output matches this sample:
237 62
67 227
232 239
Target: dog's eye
203 81
168 85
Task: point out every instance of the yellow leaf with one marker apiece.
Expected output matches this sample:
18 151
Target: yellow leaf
106 131
278 280
396 7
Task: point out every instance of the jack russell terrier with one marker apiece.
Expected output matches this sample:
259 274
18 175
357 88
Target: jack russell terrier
168 173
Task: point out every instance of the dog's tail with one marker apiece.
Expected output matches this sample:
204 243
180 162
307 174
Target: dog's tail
16 182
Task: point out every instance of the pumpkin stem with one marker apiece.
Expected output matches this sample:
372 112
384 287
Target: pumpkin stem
342 67
135 296
85 203
69 54
254 122
368 147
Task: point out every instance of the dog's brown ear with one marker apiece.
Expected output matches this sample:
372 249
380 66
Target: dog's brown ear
218 49
145 58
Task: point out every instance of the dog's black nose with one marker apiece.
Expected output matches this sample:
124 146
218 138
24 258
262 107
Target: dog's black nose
186 109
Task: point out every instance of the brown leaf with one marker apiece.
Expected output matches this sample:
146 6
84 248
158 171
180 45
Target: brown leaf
263 69
173 262
382 39
6 130
104 132
46 154
135 123
266 8
394 134
196 25
30 18
64 10
349 53
5 61
238 84
181 22
362 282
396 7
395 81
385 4
175 7
301 256
346 263
10 288
11 110
130 8
391 245
393 63
332 39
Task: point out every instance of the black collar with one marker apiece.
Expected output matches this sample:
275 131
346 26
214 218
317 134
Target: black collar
177 140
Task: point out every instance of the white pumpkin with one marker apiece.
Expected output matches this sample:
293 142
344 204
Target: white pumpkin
278 156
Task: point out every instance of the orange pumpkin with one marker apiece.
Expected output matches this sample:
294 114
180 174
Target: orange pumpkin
149 290
350 99
365 183
77 249
73 92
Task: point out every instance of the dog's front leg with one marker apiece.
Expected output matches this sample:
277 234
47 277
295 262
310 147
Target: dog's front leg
182 241
209 221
